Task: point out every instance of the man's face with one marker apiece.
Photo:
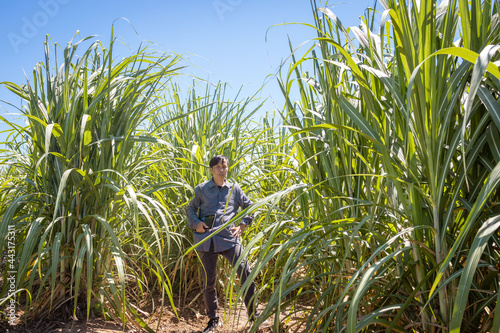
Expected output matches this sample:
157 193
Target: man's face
220 170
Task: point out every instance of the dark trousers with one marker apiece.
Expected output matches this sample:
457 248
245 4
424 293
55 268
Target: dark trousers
209 261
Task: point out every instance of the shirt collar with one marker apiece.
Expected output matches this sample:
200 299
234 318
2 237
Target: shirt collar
211 183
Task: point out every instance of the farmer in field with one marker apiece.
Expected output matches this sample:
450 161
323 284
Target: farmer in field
216 202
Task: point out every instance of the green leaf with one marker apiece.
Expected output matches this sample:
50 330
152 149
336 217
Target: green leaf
476 250
489 186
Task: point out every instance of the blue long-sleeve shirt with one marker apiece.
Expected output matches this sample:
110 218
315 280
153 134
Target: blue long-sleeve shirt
209 199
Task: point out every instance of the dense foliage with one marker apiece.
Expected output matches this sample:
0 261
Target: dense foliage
376 198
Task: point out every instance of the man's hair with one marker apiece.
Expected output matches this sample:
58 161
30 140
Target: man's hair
216 159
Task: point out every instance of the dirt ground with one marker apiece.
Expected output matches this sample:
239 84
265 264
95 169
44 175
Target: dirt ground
191 319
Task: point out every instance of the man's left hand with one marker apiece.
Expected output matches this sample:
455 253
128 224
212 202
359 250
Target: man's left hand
238 231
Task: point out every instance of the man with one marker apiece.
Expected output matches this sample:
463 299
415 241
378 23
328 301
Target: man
216 202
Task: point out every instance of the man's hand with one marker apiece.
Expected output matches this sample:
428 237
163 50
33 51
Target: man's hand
238 231
201 227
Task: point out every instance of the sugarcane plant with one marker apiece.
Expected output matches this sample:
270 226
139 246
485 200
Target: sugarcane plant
72 187
398 131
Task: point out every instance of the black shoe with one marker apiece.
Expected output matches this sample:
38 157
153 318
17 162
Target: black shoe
213 323
253 317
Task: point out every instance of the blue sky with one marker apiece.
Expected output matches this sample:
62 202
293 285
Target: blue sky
224 40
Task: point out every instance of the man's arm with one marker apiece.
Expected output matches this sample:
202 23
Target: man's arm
244 202
191 212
